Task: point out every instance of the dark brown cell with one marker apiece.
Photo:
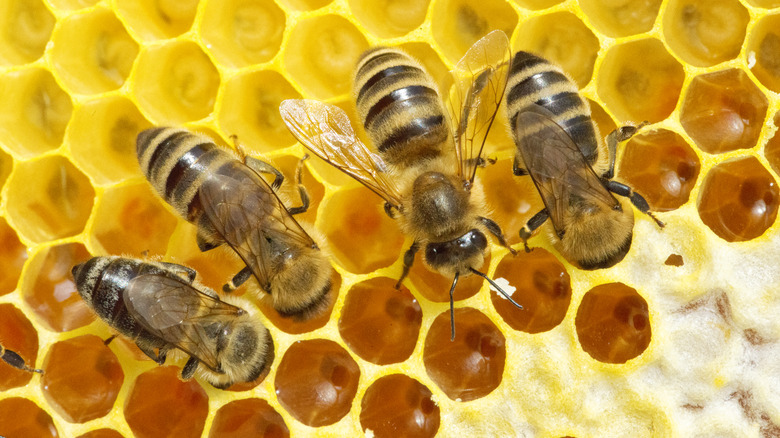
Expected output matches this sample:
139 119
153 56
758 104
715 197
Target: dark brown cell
436 287
161 405
397 405
613 324
53 295
21 418
82 378
739 199
379 323
18 335
293 326
102 433
316 382
674 260
13 254
252 417
472 365
723 111
543 289
772 148
660 166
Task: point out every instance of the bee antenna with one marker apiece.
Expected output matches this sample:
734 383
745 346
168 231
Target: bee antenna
452 306
496 287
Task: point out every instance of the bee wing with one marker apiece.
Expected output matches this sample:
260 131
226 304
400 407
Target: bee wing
179 314
479 83
246 212
326 130
557 166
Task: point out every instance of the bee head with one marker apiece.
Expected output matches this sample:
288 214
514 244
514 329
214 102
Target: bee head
458 255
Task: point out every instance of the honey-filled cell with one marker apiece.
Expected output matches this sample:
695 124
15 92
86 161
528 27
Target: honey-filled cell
92 53
18 335
101 433
772 148
49 198
13 255
157 19
161 404
252 417
22 418
436 287
294 326
316 382
739 199
723 111
460 23
705 33
390 18
175 82
102 138
471 366
51 292
82 378
27 27
512 200
661 166
763 51
543 289
621 18
380 323
613 323
321 54
563 39
361 236
250 110
398 405
36 111
640 81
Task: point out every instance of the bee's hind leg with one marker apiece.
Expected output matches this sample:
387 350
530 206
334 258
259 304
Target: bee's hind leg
495 230
237 280
638 200
619 135
260 166
301 189
535 222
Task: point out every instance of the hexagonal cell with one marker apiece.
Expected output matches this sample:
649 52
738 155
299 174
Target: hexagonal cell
662 167
250 110
92 53
243 32
176 82
772 148
22 418
49 198
543 289
13 254
160 404
70 5
623 17
537 4
563 39
460 23
397 405
379 322
723 111
87 391
763 51
739 199
436 287
158 19
51 292
471 366
705 33
102 138
305 5
316 382
640 81
390 19
512 200
132 220
360 235
321 54
38 111
16 334
612 323
248 417
27 27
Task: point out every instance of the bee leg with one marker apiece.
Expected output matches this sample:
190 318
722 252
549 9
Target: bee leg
189 368
619 135
389 210
12 358
496 231
109 339
408 261
517 169
237 280
260 166
639 202
148 350
186 273
301 189
528 229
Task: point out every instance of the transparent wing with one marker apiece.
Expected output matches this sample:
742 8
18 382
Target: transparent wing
179 314
326 130
479 83
246 212
557 167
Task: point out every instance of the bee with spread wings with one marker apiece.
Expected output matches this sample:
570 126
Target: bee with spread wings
426 160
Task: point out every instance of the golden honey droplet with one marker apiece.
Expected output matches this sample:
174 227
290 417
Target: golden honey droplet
397 405
251 417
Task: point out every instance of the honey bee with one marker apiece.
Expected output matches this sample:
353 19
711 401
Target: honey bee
427 159
161 307
15 360
230 203
571 166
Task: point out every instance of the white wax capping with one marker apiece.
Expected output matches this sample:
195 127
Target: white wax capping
504 283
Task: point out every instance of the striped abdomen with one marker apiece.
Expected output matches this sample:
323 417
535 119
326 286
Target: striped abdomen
400 107
534 80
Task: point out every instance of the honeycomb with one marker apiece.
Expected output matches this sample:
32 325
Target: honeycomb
679 339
